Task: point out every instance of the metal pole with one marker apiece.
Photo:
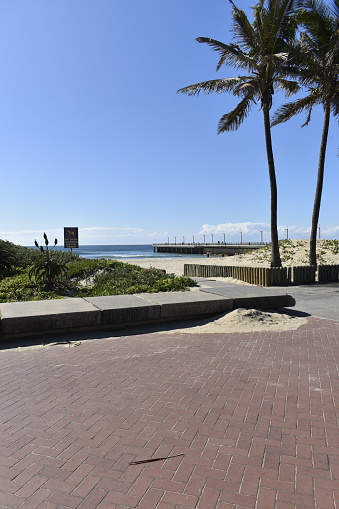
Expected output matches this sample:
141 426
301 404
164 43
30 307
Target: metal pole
193 239
224 239
212 238
319 231
175 240
204 239
240 236
287 233
183 240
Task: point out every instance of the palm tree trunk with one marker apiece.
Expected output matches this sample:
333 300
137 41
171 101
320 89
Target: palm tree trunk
275 254
319 187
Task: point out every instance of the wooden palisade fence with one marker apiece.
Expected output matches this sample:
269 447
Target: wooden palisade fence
266 276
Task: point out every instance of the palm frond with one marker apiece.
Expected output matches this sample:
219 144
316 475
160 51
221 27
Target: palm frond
335 104
7 258
276 23
249 87
287 19
317 18
308 117
243 31
208 87
289 110
335 9
287 86
229 53
232 120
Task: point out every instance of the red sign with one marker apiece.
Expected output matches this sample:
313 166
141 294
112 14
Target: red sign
71 239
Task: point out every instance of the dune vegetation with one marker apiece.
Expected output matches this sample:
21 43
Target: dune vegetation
48 273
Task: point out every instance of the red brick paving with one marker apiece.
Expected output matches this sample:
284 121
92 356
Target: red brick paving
255 415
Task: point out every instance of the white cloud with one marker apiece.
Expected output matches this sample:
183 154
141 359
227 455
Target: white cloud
329 232
235 228
112 229
88 235
116 235
252 231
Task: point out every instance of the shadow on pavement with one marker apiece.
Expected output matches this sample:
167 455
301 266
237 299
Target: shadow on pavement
74 338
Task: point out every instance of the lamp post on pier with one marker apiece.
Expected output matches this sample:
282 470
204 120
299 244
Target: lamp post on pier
240 236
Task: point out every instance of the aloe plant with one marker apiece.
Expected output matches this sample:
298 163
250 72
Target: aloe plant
46 270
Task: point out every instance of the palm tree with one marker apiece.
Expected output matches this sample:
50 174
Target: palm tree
260 50
316 66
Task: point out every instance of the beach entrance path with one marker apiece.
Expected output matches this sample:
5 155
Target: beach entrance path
321 300
250 419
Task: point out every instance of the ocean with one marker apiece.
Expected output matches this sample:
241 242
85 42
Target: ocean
122 252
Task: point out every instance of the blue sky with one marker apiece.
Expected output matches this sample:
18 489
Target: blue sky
93 134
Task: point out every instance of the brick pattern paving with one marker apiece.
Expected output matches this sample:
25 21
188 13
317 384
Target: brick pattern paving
255 415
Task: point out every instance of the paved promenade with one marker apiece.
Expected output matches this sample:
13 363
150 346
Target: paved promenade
253 417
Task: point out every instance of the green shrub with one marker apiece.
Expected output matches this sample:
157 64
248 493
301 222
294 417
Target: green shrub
19 288
331 245
85 267
26 256
121 278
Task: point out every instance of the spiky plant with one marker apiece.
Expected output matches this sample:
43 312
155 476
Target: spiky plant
47 270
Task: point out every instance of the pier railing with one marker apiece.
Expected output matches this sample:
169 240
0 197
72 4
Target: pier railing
204 248
267 276
212 244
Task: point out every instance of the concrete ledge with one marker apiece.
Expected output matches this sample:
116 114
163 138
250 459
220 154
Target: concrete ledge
124 308
43 315
273 302
179 304
250 296
118 311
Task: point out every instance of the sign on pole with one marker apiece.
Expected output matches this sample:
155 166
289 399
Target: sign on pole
71 238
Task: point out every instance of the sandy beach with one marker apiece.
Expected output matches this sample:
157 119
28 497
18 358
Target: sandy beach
293 252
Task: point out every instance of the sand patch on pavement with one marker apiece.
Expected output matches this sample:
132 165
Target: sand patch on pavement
246 320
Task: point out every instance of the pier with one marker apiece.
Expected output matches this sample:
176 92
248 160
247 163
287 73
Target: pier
219 248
